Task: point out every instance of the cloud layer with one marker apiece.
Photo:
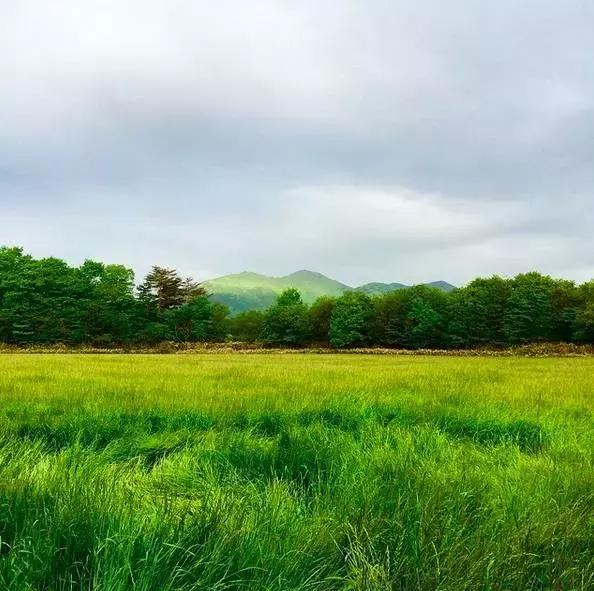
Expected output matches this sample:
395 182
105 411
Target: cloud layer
384 140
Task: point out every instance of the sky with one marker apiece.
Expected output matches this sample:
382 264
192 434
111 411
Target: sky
384 140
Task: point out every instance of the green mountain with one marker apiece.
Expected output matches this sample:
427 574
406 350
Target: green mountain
443 285
379 288
252 291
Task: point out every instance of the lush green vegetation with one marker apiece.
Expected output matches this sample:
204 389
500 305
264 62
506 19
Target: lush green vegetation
45 301
287 472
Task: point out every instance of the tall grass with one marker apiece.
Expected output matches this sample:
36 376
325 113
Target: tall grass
295 472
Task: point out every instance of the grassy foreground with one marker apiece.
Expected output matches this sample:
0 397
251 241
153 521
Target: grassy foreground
291 472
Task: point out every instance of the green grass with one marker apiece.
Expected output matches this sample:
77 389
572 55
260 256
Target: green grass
287 472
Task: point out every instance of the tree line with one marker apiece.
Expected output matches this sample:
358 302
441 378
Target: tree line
46 301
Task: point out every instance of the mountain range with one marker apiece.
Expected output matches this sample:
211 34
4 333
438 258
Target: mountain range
253 291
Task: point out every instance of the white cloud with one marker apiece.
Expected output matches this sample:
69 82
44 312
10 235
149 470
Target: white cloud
390 139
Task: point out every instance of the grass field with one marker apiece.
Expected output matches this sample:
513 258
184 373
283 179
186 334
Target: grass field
288 472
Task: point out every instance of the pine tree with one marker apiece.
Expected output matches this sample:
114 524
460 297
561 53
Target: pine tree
164 289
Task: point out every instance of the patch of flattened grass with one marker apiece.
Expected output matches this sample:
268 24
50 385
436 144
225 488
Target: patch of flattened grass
307 456
300 456
99 431
529 437
270 423
344 419
148 449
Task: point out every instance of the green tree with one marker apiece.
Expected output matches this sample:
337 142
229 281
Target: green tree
12 265
425 325
426 319
165 289
46 303
198 320
351 320
390 318
583 330
477 312
567 300
151 332
110 308
219 328
289 297
286 322
247 326
320 313
414 317
529 315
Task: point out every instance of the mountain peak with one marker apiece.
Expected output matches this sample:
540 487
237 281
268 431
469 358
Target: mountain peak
306 274
443 285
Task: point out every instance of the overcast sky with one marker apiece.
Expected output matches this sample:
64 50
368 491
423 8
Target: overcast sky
376 140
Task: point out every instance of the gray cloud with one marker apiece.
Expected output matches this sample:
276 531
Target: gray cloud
385 140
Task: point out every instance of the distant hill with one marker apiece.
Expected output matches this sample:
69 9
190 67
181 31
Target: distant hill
379 288
443 285
253 291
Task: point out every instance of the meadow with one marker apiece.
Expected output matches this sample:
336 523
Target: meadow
296 472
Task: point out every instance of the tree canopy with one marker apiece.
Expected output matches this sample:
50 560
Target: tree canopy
45 301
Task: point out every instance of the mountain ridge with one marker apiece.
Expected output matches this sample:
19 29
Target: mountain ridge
248 290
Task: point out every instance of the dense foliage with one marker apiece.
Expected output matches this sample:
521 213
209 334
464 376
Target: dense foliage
286 322
48 301
44 301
